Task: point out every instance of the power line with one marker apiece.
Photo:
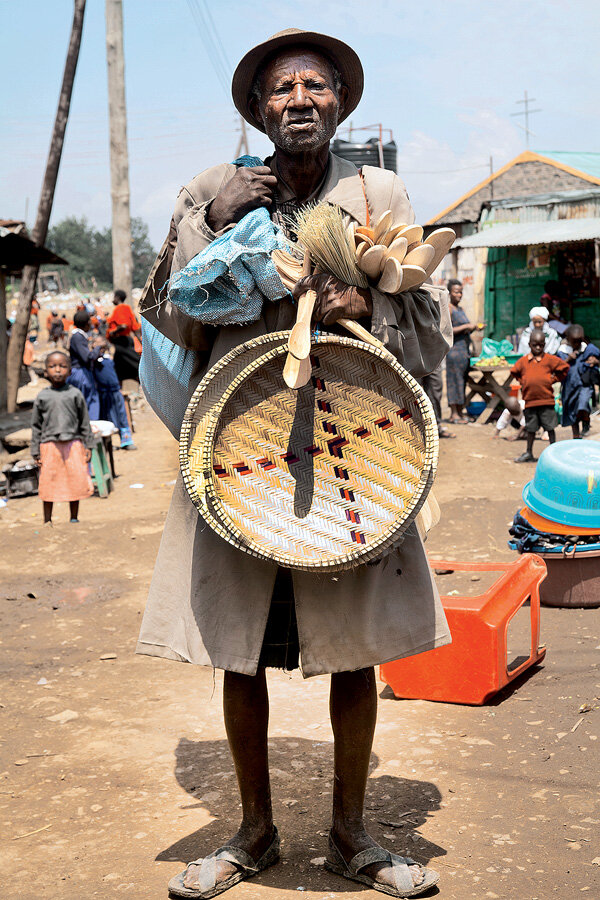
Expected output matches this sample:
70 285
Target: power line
526 112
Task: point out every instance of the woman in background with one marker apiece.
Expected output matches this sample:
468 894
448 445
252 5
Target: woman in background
538 321
458 357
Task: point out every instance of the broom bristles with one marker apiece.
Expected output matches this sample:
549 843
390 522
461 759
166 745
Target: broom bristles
320 229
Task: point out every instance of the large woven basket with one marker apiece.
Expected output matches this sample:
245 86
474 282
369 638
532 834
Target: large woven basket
321 478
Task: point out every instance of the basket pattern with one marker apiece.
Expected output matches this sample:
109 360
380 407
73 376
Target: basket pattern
321 478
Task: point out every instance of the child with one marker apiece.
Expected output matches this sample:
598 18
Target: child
578 387
112 404
82 362
61 439
537 372
512 415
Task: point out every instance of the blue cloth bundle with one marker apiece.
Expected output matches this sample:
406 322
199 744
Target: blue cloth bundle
224 285
228 281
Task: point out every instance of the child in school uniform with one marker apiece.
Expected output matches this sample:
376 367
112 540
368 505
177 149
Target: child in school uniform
578 387
61 439
112 403
537 372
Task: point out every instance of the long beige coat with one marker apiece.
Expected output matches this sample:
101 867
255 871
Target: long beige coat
208 602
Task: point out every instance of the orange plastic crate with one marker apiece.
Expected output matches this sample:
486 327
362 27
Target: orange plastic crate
475 666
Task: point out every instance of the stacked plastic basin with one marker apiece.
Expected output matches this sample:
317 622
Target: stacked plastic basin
563 498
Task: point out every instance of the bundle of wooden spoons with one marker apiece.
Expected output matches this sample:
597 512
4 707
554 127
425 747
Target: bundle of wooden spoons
395 257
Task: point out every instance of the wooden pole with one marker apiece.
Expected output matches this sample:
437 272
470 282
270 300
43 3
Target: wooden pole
119 159
3 341
40 229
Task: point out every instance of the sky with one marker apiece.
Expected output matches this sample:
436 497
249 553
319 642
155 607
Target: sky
444 76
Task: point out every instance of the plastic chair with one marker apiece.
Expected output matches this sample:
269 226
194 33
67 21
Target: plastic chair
101 469
475 665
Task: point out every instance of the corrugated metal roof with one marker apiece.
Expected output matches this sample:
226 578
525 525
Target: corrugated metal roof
525 234
585 162
547 199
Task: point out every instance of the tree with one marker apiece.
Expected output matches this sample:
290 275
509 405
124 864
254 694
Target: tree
89 251
40 229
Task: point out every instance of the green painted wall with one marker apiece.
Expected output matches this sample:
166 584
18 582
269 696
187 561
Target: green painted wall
511 289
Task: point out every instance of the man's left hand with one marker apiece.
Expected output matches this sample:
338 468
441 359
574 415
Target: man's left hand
335 300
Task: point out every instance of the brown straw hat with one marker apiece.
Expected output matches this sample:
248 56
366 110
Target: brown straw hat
341 54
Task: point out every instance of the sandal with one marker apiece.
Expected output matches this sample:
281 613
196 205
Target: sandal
207 876
405 886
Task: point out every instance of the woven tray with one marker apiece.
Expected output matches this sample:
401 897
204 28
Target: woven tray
326 477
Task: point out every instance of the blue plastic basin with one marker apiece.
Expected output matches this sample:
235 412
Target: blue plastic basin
566 484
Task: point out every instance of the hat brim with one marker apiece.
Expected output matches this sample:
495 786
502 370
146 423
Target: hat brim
344 57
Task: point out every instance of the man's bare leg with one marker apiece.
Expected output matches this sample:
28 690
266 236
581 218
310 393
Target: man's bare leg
246 712
353 707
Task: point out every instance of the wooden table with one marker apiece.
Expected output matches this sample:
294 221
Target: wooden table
494 380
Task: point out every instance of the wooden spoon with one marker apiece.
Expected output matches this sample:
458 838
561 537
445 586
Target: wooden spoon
420 256
383 223
360 251
371 261
391 278
368 232
412 233
395 231
299 339
296 372
362 239
397 249
441 240
412 276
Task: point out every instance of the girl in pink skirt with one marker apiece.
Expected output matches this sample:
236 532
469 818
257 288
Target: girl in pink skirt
61 439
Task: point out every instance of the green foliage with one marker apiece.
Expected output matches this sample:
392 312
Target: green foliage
89 252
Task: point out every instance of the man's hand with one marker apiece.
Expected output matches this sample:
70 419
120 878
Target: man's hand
335 300
37 460
250 188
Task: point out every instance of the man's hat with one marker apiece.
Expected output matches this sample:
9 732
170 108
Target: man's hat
338 52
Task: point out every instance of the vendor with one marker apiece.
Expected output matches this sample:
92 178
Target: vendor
459 356
538 321
211 604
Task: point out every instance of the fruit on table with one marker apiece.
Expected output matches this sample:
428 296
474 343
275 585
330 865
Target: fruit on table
490 362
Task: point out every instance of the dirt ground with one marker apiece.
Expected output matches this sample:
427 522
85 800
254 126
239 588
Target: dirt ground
115 769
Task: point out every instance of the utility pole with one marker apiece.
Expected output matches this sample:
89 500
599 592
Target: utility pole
119 159
40 229
526 112
243 141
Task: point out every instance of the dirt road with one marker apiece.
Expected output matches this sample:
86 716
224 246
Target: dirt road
115 768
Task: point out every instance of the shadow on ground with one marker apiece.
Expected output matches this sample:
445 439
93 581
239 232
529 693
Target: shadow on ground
301 776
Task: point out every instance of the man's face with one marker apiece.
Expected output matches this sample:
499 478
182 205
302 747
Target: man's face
299 105
456 293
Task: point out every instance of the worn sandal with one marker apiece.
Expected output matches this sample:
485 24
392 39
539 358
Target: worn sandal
207 876
404 885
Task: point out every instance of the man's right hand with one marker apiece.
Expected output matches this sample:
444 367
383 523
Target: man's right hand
250 188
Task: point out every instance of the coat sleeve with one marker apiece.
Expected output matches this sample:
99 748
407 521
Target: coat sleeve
36 428
188 235
414 325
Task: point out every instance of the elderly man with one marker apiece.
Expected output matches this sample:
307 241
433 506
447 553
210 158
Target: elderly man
210 604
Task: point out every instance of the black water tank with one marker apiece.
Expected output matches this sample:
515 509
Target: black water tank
366 154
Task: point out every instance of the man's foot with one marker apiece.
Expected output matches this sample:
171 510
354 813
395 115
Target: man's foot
254 842
349 844
525 457
444 433
74 521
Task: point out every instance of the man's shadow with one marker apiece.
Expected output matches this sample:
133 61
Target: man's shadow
301 784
